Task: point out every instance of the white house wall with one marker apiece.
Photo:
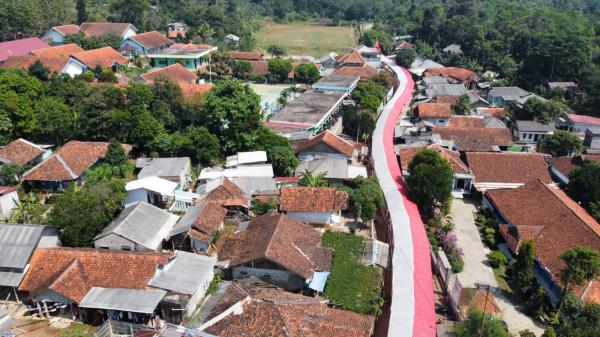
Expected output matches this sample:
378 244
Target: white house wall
200 292
129 33
73 68
312 217
54 37
7 203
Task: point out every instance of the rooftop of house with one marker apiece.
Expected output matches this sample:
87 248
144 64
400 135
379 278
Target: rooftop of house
175 72
184 273
475 139
105 57
534 126
246 55
184 50
73 272
466 122
4 190
582 119
330 139
453 48
496 112
153 39
154 184
337 81
460 74
478 299
312 199
405 45
162 167
434 110
514 94
142 223
563 85
20 151
445 89
282 240
269 311
70 161
334 168
246 158
566 165
223 192
54 64
103 28
509 168
310 109
195 90
60 51
252 186
352 57
201 221
69 29
364 71
540 212
407 153
20 47
256 170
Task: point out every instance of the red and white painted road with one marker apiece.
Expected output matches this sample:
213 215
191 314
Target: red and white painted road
412 306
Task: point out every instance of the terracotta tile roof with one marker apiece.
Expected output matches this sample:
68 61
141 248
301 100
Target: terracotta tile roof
566 165
106 57
273 312
55 64
70 161
208 222
151 40
405 45
62 51
102 28
312 199
475 139
496 112
190 46
466 122
353 57
20 151
246 55
282 240
175 72
364 72
434 110
478 299
228 194
517 168
71 272
67 29
408 153
584 119
174 33
191 90
548 209
460 74
20 47
329 138
261 67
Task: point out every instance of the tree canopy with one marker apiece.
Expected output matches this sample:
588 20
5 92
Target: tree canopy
306 73
430 180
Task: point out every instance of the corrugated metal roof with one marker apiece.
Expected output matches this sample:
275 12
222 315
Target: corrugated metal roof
164 167
262 170
132 300
17 243
184 273
154 184
186 221
255 185
11 277
143 224
242 158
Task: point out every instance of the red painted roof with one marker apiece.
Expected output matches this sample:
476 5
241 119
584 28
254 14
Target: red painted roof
152 40
67 29
584 119
20 47
102 28
7 189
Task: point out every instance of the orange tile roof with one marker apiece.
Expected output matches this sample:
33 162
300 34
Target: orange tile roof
191 90
460 74
190 46
434 110
475 139
106 57
566 165
174 33
20 151
103 28
175 72
228 194
517 168
67 29
466 122
364 72
54 64
71 272
152 40
70 161
61 51
408 153
246 55
496 112
478 299
353 57
206 225
280 239
312 199
331 139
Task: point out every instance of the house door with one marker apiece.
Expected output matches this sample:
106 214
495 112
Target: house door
460 184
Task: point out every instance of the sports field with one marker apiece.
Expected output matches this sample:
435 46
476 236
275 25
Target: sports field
302 39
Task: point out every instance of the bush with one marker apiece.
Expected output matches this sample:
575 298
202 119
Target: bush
456 262
497 259
490 240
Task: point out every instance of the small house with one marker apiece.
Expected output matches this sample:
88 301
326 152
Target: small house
454 49
533 131
58 34
277 249
319 206
246 158
23 152
328 144
328 61
336 170
336 83
153 190
474 139
569 88
145 43
224 192
246 55
124 30
54 58
562 167
192 56
139 227
20 47
592 139
175 72
197 228
177 29
231 39
177 169
437 114
503 96
580 123
105 57
9 200
455 75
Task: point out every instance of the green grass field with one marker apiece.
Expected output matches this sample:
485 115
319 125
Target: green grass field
302 39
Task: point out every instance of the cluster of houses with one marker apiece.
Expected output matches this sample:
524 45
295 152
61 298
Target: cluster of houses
494 159
158 257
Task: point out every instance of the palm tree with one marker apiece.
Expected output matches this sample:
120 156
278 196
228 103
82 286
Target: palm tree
24 209
310 180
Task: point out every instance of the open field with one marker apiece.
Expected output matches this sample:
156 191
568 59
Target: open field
303 39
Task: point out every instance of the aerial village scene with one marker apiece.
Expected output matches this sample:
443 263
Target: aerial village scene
292 168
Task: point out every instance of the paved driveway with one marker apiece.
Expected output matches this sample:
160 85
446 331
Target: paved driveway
478 271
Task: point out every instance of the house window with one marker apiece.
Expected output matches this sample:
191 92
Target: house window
126 248
267 276
441 121
104 247
243 272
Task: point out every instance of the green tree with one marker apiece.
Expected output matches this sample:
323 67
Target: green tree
222 64
232 113
280 152
37 69
582 265
549 332
430 180
196 142
275 50
405 57
10 173
369 95
6 128
279 69
366 198
477 325
81 11
384 79
309 180
23 213
107 76
584 184
259 207
563 143
359 124
131 11
57 121
306 73
115 154
463 105
242 69
521 269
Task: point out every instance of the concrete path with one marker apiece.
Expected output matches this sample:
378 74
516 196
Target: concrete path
478 271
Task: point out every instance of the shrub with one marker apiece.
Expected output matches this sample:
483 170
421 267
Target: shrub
497 259
490 240
456 262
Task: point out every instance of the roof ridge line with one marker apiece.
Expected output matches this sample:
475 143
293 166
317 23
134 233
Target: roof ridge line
64 164
570 209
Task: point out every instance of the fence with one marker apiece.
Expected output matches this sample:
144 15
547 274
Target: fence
112 328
